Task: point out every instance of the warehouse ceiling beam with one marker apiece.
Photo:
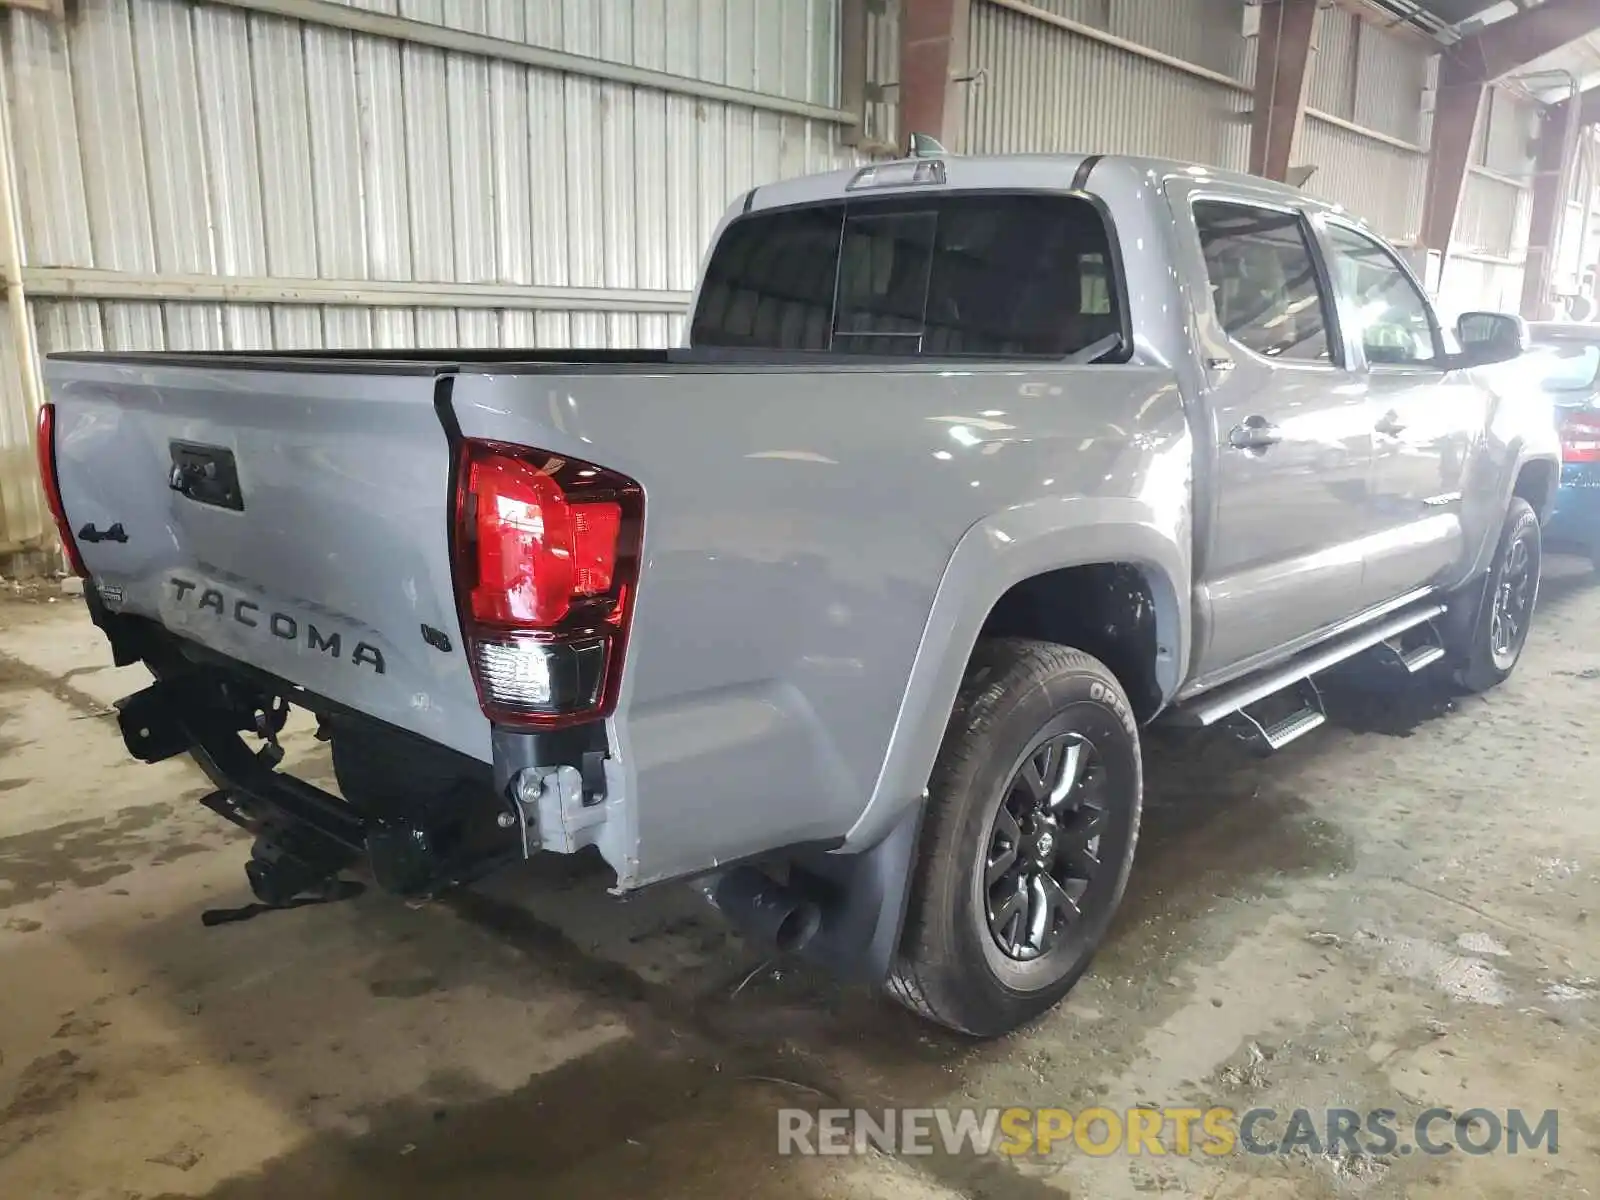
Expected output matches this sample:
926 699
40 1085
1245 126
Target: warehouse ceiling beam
1506 46
1465 71
933 53
1386 22
1553 164
1284 49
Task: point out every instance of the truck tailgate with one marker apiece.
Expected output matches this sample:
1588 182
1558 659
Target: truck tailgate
329 562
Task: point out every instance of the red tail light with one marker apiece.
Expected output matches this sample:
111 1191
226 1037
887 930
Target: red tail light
1580 436
547 553
46 448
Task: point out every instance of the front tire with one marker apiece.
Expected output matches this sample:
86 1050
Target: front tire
1033 815
1492 645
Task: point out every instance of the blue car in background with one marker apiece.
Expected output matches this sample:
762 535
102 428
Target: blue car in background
1568 359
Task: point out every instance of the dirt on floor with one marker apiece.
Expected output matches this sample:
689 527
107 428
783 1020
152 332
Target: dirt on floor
1393 913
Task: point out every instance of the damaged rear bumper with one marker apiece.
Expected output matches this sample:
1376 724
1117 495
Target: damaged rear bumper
420 817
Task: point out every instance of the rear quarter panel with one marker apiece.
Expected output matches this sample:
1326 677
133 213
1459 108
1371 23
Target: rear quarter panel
1518 427
799 525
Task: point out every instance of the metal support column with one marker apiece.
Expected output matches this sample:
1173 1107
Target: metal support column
1283 75
1455 130
933 51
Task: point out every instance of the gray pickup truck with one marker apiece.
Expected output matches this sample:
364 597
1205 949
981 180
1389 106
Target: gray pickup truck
852 610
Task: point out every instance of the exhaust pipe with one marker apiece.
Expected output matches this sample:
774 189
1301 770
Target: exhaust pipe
772 912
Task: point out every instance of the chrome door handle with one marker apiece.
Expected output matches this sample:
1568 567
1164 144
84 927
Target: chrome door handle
1390 424
1256 433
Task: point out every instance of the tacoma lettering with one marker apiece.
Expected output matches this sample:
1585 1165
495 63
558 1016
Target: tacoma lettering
315 641
280 625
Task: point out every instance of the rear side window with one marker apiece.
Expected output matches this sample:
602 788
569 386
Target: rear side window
1264 284
987 275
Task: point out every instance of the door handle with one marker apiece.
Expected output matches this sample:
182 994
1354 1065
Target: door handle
1256 433
1390 424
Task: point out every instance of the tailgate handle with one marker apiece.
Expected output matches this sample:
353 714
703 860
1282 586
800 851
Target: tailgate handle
115 534
206 475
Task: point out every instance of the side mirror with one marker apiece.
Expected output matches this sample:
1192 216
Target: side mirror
1490 337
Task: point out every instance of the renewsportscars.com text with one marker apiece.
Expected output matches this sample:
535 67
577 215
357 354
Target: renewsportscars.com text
1179 1131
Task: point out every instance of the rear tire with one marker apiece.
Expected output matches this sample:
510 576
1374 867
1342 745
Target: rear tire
1033 815
1488 650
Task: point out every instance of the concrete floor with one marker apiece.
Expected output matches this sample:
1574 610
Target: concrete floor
1391 913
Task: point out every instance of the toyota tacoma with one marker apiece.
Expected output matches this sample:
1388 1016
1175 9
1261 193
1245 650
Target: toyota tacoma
850 611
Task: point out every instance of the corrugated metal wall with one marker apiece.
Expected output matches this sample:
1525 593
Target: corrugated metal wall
1364 76
536 207
1382 183
1049 81
1490 244
1364 131
1493 219
1508 131
1048 87
879 126
1207 33
1394 80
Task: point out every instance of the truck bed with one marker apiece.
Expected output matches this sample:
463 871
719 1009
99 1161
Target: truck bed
798 523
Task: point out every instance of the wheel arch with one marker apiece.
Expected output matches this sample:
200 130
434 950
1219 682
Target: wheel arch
1532 473
1536 482
1034 553
1112 610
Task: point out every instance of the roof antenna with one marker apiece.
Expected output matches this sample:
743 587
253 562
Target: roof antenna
925 146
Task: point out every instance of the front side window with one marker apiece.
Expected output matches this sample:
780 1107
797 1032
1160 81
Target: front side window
1389 311
1263 280
984 275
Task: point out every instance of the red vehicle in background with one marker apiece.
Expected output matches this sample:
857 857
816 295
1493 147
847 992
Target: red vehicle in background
1567 358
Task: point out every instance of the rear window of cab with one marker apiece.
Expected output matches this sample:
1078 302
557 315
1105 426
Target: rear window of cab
982 275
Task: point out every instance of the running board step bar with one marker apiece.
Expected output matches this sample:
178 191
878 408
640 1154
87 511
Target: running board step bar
1280 734
1213 706
1297 724
1426 648
1423 656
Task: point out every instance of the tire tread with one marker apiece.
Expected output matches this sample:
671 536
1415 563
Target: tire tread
1003 672
1475 670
